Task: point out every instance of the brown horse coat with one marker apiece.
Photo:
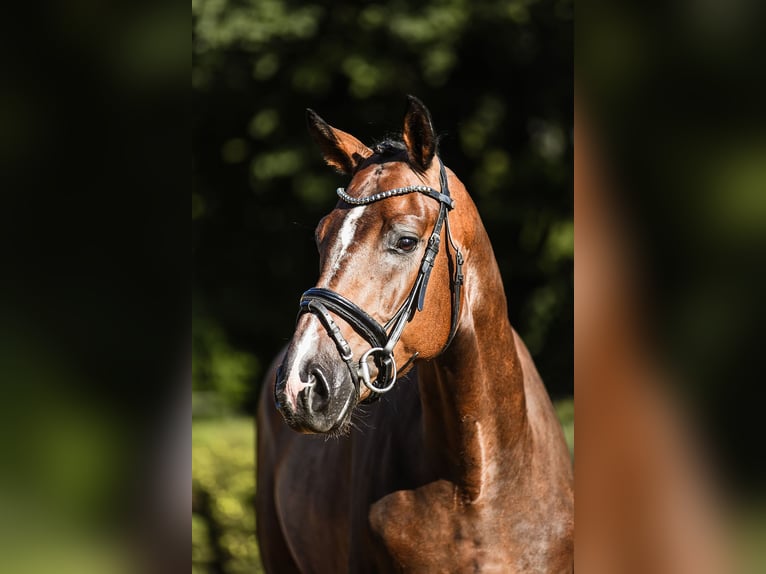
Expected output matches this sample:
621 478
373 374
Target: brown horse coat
462 467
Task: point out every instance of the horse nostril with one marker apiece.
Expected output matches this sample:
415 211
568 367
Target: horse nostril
320 391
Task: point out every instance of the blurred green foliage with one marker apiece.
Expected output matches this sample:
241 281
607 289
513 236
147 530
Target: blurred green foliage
566 413
498 79
222 376
223 492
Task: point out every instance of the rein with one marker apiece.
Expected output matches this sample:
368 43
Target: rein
383 338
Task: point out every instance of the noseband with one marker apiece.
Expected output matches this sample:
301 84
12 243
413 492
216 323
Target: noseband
383 338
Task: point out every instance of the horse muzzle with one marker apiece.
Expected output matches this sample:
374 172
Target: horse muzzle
316 396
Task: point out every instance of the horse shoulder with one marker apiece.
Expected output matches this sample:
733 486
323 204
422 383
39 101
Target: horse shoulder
424 530
434 529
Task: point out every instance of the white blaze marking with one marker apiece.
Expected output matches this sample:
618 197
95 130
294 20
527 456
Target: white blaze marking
306 344
309 337
346 236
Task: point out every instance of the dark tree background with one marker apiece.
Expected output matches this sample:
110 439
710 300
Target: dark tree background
498 79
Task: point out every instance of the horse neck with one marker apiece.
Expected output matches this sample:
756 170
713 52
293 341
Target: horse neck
473 394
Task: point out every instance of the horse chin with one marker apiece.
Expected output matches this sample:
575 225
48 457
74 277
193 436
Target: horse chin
336 424
342 426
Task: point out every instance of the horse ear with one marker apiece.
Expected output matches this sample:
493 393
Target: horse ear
341 151
418 134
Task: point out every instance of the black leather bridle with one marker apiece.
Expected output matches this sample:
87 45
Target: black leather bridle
383 338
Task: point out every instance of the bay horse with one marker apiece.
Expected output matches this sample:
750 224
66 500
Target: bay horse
462 466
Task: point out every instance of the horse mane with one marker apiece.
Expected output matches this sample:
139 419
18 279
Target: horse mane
389 147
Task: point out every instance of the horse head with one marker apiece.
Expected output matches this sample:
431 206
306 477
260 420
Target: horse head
390 275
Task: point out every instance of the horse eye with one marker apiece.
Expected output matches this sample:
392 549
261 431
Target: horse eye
406 244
